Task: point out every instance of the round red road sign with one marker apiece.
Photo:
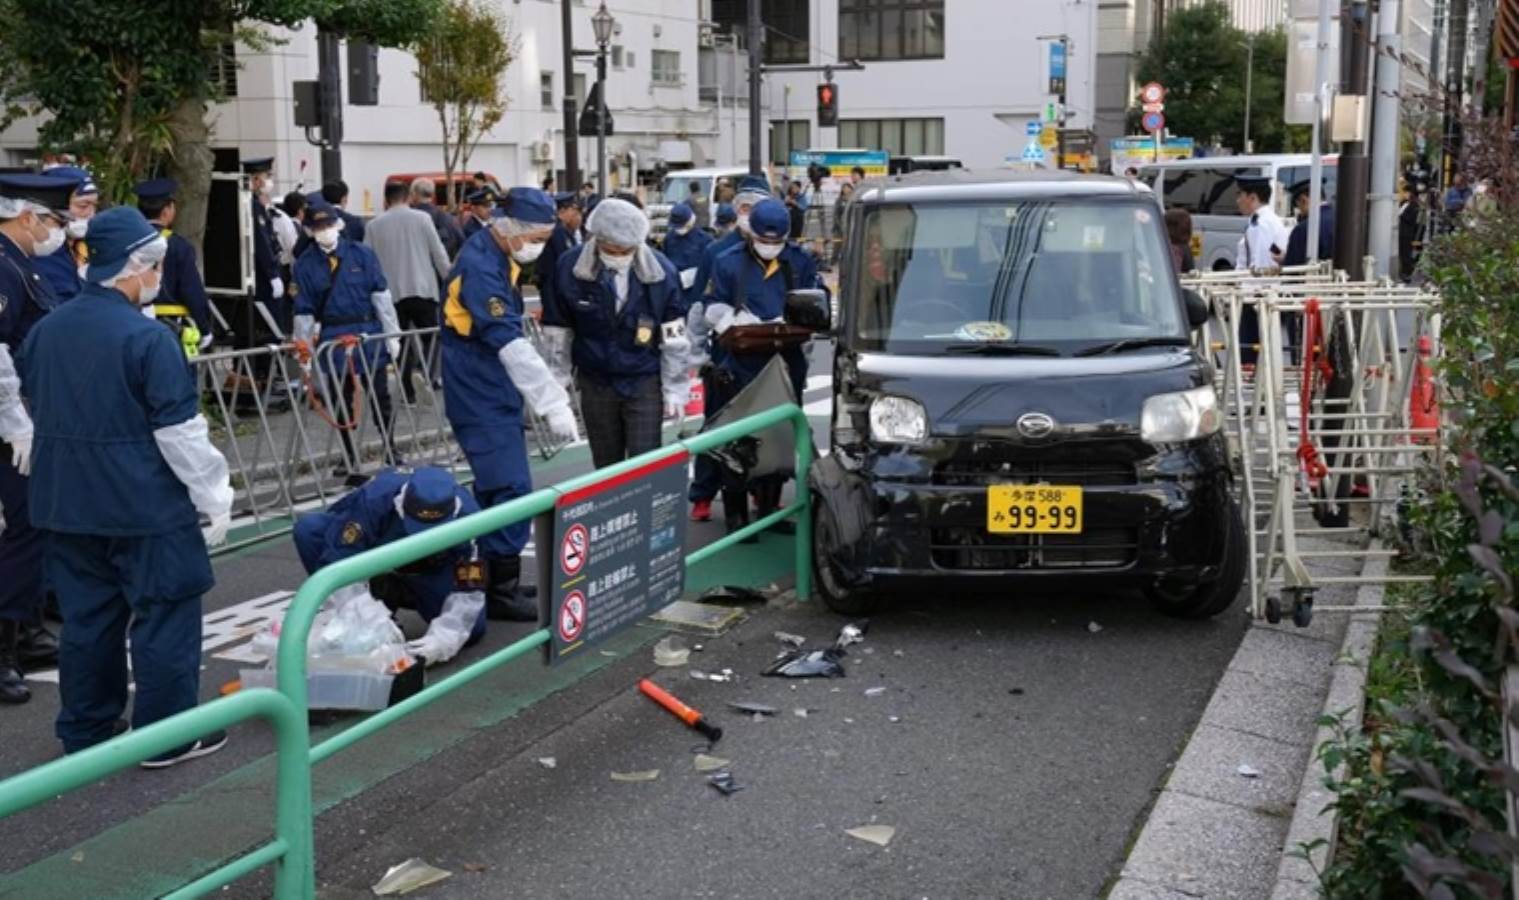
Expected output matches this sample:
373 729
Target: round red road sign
571 616
574 549
1152 92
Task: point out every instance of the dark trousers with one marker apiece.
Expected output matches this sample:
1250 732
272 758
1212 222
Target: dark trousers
371 375
20 548
108 587
1250 334
618 427
416 313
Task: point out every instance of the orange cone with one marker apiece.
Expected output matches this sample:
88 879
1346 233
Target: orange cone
1423 403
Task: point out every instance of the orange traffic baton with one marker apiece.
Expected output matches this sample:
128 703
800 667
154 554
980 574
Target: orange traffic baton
681 711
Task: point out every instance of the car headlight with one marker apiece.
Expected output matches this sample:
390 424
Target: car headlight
1183 416
897 420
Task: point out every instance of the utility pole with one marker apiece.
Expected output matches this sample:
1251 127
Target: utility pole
1316 171
1384 140
1350 199
756 60
571 123
330 84
1249 84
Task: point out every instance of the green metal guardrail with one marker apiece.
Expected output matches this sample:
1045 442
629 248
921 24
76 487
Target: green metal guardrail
292 849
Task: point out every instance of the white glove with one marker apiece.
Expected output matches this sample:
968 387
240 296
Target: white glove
21 454
688 277
673 409
277 286
394 346
562 426
745 317
205 342
719 316
216 533
429 647
306 330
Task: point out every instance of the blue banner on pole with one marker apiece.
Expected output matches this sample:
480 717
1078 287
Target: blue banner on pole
1057 67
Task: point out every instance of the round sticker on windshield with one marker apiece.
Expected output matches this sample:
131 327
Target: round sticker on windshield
983 331
1142 216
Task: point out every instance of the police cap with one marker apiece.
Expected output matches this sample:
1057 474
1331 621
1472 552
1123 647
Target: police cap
428 499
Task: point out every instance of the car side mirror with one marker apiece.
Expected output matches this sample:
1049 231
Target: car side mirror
1197 308
810 309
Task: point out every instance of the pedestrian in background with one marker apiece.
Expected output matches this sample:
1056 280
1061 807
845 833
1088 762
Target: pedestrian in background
569 233
289 237
423 193
335 192
1179 236
1265 238
415 263
124 469
700 205
181 303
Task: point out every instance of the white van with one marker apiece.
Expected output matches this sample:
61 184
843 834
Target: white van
676 188
1208 188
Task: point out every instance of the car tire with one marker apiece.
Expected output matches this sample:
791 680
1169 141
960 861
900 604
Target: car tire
837 596
1210 599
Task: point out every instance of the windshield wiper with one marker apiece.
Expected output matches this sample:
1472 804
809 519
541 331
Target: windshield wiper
995 349
1132 344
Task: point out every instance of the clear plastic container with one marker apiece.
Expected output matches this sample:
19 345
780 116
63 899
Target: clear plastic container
366 691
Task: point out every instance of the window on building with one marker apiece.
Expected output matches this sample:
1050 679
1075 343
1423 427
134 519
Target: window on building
786 136
666 67
224 70
891 29
788 26
627 60
546 90
898 137
616 56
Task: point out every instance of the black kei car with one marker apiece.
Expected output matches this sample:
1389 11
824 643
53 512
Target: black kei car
1017 401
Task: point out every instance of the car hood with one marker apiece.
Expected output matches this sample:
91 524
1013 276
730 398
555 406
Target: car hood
987 395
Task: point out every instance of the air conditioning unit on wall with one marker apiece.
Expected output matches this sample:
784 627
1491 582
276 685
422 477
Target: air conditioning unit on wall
543 151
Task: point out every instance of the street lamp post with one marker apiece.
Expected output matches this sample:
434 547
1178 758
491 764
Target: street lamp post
602 24
1249 71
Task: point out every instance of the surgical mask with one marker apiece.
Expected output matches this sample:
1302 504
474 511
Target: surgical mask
327 238
617 263
685 229
527 253
743 223
148 295
50 244
768 252
77 227
265 189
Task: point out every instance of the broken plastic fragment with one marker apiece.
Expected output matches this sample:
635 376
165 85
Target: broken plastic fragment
548 762
876 691
1093 627
670 651
705 763
646 775
786 637
799 712
407 877
880 835
699 675
758 709
809 664
853 633
474 867
893 719
1248 771
724 783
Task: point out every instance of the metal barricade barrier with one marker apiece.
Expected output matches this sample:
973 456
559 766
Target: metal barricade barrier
1304 448
292 849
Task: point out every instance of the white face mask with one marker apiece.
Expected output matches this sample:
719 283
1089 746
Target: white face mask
148 295
768 251
50 244
617 263
527 253
327 238
77 227
685 229
743 223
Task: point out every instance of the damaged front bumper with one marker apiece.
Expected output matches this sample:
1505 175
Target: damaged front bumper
903 517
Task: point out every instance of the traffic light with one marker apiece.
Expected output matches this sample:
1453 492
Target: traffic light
828 105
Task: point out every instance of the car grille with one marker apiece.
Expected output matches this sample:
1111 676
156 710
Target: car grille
982 472
971 549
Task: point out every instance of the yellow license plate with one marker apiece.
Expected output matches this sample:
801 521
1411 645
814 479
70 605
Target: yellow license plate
1033 509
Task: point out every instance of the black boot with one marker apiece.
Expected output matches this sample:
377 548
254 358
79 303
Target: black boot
13 687
504 599
769 500
736 513
36 646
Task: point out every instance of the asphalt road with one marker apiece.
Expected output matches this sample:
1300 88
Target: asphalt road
1014 750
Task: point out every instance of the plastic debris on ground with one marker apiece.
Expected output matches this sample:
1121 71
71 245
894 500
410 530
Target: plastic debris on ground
794 640
645 775
407 877
548 762
1093 627
880 835
724 783
709 619
474 867
827 663
707 763
853 633
671 651
893 719
758 709
1248 771
800 712
724 675
875 691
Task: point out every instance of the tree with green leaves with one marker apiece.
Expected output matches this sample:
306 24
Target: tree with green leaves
1202 60
126 84
460 65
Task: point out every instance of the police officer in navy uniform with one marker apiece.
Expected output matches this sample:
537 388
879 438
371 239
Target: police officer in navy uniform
490 370
480 203
268 287
685 243
32 223
707 480
181 302
446 589
123 471
61 267
568 234
619 316
340 291
749 286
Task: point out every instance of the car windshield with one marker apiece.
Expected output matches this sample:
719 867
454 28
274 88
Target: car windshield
1065 275
677 189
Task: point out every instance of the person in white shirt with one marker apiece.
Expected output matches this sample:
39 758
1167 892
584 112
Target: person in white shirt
1264 240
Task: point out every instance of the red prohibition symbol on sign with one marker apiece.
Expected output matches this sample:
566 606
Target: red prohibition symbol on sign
574 550
572 616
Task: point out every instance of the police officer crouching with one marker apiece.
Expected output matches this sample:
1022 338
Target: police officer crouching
446 589
123 470
341 292
181 303
618 315
749 286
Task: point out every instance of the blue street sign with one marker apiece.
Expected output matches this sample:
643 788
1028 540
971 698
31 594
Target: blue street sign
1033 153
1152 121
1057 67
1032 129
